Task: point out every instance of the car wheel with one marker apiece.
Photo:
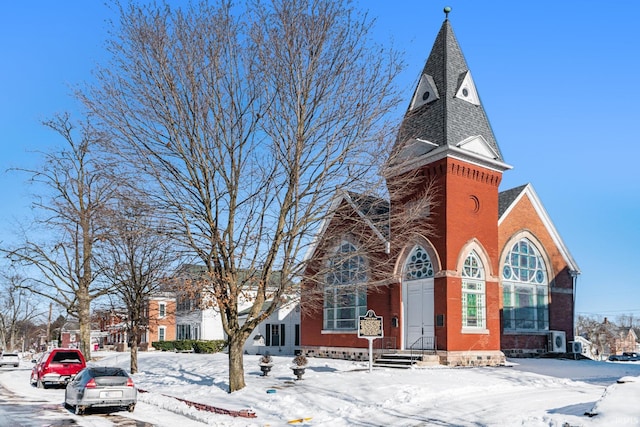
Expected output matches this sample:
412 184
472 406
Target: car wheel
131 407
79 410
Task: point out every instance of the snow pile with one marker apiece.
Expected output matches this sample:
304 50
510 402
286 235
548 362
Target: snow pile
531 392
619 404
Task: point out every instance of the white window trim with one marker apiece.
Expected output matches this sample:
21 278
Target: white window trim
162 310
359 287
511 284
480 280
472 330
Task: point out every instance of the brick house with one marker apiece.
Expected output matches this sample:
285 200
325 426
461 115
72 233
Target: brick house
160 319
494 278
626 340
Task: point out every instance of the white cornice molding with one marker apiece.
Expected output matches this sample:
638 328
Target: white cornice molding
445 151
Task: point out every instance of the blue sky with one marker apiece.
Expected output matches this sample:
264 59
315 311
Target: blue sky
558 81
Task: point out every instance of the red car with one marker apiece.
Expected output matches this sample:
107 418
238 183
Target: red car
57 367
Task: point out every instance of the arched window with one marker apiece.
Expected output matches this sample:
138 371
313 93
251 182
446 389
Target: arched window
525 289
473 293
345 292
418 265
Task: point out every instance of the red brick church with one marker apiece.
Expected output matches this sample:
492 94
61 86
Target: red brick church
492 277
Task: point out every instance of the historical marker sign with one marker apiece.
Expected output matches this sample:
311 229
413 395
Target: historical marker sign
370 326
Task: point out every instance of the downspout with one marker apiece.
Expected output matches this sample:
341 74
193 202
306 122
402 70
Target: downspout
574 279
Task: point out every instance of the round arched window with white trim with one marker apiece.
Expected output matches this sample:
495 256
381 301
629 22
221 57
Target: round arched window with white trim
418 265
525 289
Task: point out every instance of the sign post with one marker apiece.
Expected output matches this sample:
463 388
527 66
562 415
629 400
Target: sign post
370 327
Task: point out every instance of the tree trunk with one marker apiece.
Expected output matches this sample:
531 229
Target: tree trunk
84 315
135 342
236 367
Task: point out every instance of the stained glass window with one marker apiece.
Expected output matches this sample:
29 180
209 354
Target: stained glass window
418 265
525 289
345 293
473 293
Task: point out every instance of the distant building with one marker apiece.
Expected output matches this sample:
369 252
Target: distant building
279 334
159 323
70 335
625 340
161 319
198 317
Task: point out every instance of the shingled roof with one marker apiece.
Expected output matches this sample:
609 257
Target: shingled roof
507 197
439 115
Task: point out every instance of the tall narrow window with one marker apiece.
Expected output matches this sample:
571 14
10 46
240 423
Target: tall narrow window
162 310
161 333
525 289
473 293
345 293
274 335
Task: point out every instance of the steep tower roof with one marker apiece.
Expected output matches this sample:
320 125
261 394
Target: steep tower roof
445 116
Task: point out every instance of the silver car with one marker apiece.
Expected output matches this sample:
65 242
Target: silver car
101 387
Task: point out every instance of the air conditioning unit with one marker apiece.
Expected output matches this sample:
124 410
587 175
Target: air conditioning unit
575 347
557 342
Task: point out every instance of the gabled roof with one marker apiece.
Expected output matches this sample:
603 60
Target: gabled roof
373 210
508 199
445 116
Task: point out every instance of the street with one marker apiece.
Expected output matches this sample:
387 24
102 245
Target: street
33 407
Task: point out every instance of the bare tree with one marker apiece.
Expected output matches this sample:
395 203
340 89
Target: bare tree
247 125
58 250
17 307
135 259
627 320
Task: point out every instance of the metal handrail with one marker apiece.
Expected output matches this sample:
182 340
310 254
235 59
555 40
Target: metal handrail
430 347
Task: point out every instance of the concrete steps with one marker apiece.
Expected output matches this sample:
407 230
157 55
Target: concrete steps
405 360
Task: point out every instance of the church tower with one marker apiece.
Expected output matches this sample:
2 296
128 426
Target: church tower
445 139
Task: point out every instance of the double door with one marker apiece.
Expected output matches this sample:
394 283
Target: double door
419 314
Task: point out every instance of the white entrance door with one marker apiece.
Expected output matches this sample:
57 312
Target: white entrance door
419 315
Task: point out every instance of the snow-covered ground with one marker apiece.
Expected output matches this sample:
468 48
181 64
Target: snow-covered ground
528 392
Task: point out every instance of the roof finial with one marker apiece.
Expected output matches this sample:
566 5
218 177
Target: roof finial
447 9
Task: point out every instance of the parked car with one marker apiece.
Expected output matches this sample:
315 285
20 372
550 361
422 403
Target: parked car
625 357
57 367
12 359
101 387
